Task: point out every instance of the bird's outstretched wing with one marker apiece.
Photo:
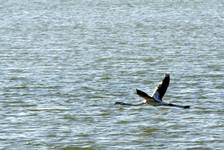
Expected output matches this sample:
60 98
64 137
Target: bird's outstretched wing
142 94
161 89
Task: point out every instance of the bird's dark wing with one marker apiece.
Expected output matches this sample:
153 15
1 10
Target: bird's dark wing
161 89
143 95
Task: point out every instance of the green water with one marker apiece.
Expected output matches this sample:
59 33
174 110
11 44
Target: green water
63 65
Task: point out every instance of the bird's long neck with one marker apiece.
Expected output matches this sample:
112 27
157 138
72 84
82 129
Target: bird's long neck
128 104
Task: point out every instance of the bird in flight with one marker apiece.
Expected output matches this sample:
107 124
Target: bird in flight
157 97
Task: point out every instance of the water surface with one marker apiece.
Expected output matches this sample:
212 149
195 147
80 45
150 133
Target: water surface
65 63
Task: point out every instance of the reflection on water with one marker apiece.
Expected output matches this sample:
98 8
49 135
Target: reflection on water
64 64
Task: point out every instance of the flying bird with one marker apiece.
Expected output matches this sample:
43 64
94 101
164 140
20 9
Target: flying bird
157 97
